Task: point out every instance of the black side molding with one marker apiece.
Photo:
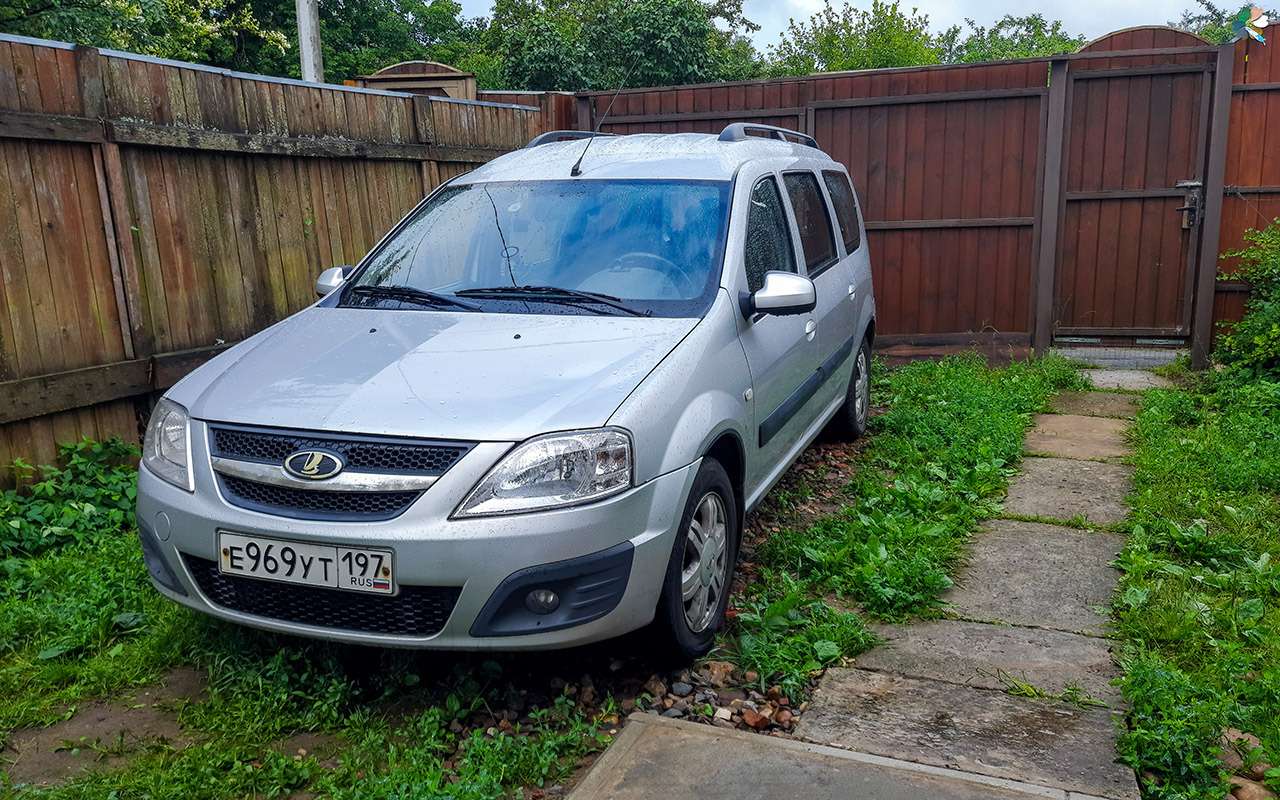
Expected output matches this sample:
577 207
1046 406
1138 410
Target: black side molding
780 416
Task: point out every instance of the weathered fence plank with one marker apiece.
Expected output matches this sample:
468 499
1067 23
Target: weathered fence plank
153 211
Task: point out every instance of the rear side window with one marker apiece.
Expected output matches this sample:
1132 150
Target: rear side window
768 235
812 220
846 208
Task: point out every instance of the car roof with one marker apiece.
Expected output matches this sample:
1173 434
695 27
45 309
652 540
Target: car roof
690 156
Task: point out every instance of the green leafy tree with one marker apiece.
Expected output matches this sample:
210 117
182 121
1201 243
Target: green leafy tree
604 44
208 31
544 52
1011 37
850 38
357 36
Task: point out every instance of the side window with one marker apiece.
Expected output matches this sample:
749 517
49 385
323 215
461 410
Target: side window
846 208
768 235
812 220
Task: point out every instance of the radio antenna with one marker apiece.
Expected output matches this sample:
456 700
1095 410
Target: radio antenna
577 165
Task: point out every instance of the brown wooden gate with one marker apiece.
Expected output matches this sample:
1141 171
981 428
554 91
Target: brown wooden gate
1134 156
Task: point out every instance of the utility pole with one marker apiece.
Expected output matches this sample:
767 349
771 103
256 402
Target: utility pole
309 40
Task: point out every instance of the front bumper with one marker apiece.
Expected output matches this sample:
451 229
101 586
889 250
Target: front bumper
474 557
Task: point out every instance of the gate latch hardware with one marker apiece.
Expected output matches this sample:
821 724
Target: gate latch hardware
1190 207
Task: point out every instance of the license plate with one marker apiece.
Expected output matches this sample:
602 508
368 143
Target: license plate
355 569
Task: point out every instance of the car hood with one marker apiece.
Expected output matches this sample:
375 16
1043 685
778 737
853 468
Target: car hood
456 375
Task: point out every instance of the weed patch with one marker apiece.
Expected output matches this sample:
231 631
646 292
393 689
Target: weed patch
1199 603
937 464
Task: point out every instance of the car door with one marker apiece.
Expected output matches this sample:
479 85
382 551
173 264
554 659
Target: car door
782 356
855 264
834 314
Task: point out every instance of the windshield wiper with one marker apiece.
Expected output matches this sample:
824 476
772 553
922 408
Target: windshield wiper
554 294
413 295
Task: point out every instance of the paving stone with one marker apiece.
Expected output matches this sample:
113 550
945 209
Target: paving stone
1046 576
677 760
1075 436
1129 379
1096 404
976 730
985 656
1066 488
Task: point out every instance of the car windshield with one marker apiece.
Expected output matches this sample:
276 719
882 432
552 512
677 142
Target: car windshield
641 247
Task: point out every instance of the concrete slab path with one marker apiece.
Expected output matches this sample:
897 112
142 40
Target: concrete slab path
1040 576
1096 404
1069 489
985 656
669 759
1130 380
941 708
1075 436
1030 608
1052 744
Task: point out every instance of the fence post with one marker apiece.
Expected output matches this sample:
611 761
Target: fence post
1052 143
1211 221
586 113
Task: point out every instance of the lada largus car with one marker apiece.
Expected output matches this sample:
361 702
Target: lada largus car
536 413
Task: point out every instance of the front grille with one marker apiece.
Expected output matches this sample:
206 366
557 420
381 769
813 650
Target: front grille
370 454
314 503
415 611
364 453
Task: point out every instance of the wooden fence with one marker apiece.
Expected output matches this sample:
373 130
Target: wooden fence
154 212
1032 201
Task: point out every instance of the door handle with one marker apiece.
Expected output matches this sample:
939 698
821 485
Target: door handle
852 295
810 330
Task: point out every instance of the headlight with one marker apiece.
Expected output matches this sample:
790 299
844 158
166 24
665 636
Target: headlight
553 471
166 449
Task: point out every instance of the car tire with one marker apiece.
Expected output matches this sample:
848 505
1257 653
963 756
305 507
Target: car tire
695 591
851 419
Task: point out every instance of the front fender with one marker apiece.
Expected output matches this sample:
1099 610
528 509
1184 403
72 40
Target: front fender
691 398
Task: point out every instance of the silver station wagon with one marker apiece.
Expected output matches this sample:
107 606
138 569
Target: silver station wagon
536 413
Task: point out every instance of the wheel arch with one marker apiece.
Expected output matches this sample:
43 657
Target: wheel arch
727 448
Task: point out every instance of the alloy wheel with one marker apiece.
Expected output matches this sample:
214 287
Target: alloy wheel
705 566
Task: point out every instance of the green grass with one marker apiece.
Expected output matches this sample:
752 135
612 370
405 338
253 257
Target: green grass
937 464
1199 605
79 620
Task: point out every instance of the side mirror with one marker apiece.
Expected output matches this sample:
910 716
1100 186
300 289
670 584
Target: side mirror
783 293
331 279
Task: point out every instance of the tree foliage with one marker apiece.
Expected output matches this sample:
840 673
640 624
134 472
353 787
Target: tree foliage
849 38
540 44
1011 37
605 44
208 31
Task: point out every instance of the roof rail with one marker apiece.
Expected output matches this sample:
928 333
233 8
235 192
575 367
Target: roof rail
562 136
738 132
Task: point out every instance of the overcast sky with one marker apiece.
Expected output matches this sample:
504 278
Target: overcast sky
1090 17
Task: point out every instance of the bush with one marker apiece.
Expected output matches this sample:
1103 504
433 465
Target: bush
1251 348
90 496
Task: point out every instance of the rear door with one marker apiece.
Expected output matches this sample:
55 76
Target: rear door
856 264
831 274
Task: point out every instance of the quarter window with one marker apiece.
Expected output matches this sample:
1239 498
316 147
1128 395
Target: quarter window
769 245
846 208
812 220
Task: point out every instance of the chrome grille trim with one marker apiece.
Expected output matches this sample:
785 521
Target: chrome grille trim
345 481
